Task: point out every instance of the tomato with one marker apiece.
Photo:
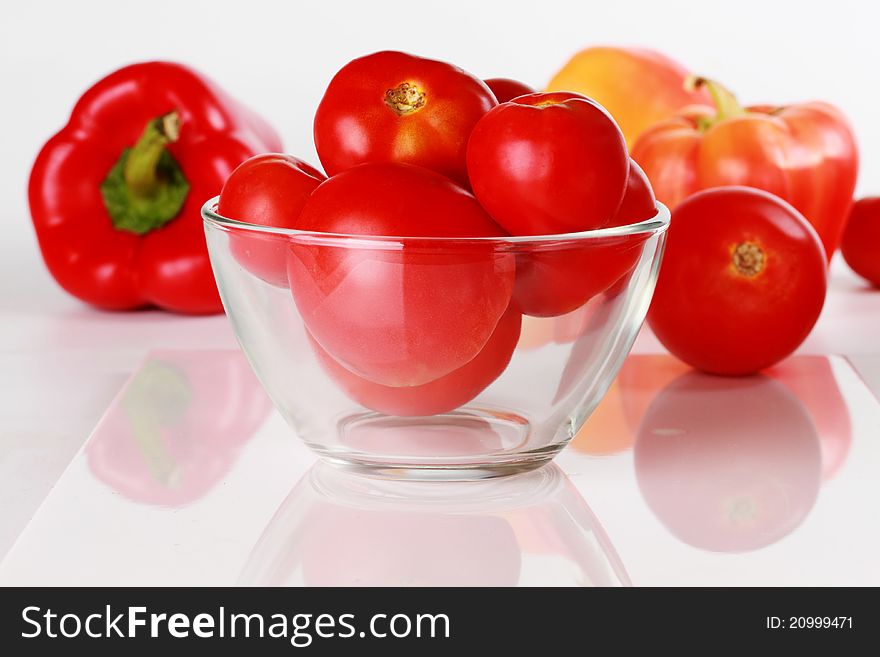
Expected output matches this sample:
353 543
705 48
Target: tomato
861 239
639 203
394 107
548 163
742 283
552 281
269 190
506 89
728 465
438 396
397 311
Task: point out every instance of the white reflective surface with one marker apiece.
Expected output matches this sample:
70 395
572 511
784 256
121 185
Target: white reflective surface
192 478
341 529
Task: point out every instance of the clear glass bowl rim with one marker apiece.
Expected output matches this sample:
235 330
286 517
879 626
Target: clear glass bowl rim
654 225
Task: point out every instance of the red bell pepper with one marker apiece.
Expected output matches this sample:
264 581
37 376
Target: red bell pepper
804 153
115 195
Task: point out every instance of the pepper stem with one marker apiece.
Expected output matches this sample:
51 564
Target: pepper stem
726 104
141 167
146 187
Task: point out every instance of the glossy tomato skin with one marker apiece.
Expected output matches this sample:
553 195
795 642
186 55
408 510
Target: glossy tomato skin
555 281
548 163
395 107
396 311
639 203
742 283
269 190
861 239
441 395
506 89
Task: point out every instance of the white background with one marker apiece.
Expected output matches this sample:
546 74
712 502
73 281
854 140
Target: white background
278 56
60 363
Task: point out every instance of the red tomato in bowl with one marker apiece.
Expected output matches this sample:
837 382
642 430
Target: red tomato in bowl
639 202
553 281
399 312
548 163
441 395
861 240
395 107
742 283
506 89
269 190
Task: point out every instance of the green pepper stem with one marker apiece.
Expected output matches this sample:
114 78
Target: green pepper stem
146 187
141 167
726 104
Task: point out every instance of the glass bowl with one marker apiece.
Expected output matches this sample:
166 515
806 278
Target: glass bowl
435 357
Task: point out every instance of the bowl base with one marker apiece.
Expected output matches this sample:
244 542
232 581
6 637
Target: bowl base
439 472
467 444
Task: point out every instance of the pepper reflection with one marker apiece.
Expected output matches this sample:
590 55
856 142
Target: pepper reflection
728 464
177 427
343 529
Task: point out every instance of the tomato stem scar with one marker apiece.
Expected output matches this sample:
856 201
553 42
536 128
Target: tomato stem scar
405 98
748 259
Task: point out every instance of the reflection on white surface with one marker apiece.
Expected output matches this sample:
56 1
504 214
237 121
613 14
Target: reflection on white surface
35 445
769 480
812 380
613 426
177 426
342 529
868 367
728 464
181 478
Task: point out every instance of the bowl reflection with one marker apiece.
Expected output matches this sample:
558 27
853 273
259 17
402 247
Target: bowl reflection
728 464
342 529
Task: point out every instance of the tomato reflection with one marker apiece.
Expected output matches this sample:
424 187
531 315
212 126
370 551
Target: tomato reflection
613 425
728 464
